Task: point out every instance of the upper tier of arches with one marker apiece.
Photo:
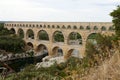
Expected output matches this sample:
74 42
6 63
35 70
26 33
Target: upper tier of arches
85 26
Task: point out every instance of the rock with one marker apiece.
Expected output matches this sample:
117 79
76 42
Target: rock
48 61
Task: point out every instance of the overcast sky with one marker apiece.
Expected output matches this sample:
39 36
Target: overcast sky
57 10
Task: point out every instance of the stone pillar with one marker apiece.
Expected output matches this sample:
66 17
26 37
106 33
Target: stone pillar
50 44
25 35
83 47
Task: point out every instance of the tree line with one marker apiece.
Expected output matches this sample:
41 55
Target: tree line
9 41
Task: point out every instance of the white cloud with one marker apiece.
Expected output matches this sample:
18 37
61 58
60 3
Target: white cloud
57 10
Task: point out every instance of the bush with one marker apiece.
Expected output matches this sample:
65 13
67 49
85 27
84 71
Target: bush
12 44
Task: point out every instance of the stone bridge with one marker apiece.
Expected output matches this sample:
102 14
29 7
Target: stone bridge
84 29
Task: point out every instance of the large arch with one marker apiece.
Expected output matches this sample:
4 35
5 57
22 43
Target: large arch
91 37
74 38
57 51
12 31
73 52
29 46
58 36
42 49
30 34
42 35
20 33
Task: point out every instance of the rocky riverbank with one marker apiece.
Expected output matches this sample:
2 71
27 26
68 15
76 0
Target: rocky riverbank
4 56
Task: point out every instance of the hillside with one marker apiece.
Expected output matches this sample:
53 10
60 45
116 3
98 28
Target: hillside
109 70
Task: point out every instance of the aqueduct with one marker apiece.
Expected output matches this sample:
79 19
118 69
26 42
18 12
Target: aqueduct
72 35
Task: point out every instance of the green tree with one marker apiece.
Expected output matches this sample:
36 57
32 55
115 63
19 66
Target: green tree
116 20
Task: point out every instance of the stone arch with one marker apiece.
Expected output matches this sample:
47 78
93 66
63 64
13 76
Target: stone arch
42 49
111 28
95 28
42 35
63 27
30 34
20 33
74 38
53 26
12 31
58 36
73 52
69 27
57 51
103 28
87 27
44 26
91 37
48 26
58 26
81 27
29 46
74 27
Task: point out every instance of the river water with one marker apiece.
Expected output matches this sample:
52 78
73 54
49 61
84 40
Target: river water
20 63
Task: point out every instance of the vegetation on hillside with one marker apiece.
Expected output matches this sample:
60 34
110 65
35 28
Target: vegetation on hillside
96 54
116 20
9 41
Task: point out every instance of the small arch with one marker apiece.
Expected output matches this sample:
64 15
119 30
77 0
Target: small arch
42 49
103 28
20 25
37 25
44 26
43 35
95 28
63 27
58 36
81 27
30 34
74 27
74 38
88 28
33 25
23 25
40 26
57 51
29 46
20 33
12 31
58 26
73 52
69 27
48 26
15 25
111 28
53 26
29 25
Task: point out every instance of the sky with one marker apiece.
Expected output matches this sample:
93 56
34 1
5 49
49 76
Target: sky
57 10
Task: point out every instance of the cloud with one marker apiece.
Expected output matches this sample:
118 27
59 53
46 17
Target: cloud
57 10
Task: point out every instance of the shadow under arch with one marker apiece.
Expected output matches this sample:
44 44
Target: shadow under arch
30 34
74 38
29 46
20 33
57 51
92 38
74 53
12 31
58 36
41 49
42 35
